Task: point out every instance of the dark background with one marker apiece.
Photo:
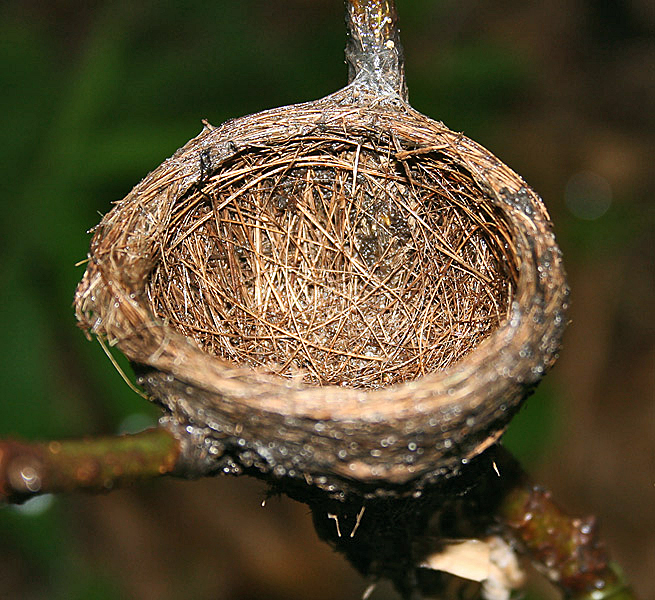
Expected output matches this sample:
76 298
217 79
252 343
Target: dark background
96 94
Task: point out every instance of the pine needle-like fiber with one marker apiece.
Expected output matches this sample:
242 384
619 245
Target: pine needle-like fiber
335 261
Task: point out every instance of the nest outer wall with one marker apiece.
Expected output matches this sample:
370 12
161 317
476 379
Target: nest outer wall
285 418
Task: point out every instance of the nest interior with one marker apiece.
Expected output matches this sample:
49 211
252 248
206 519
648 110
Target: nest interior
335 261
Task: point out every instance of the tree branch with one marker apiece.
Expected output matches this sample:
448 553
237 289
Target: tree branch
93 464
565 548
373 52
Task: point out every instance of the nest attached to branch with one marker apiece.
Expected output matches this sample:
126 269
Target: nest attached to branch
343 292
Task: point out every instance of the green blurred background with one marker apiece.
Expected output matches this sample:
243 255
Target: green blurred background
96 94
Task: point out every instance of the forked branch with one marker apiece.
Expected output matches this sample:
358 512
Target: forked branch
565 548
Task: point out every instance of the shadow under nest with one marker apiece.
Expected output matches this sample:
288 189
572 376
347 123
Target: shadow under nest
335 261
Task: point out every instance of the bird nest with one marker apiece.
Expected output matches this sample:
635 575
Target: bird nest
335 260
344 292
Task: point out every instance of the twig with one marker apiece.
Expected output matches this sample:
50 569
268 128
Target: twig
374 53
565 548
93 464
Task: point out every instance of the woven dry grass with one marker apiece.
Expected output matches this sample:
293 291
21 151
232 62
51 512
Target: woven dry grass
336 262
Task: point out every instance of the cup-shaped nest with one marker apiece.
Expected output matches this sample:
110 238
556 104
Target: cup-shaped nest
343 292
